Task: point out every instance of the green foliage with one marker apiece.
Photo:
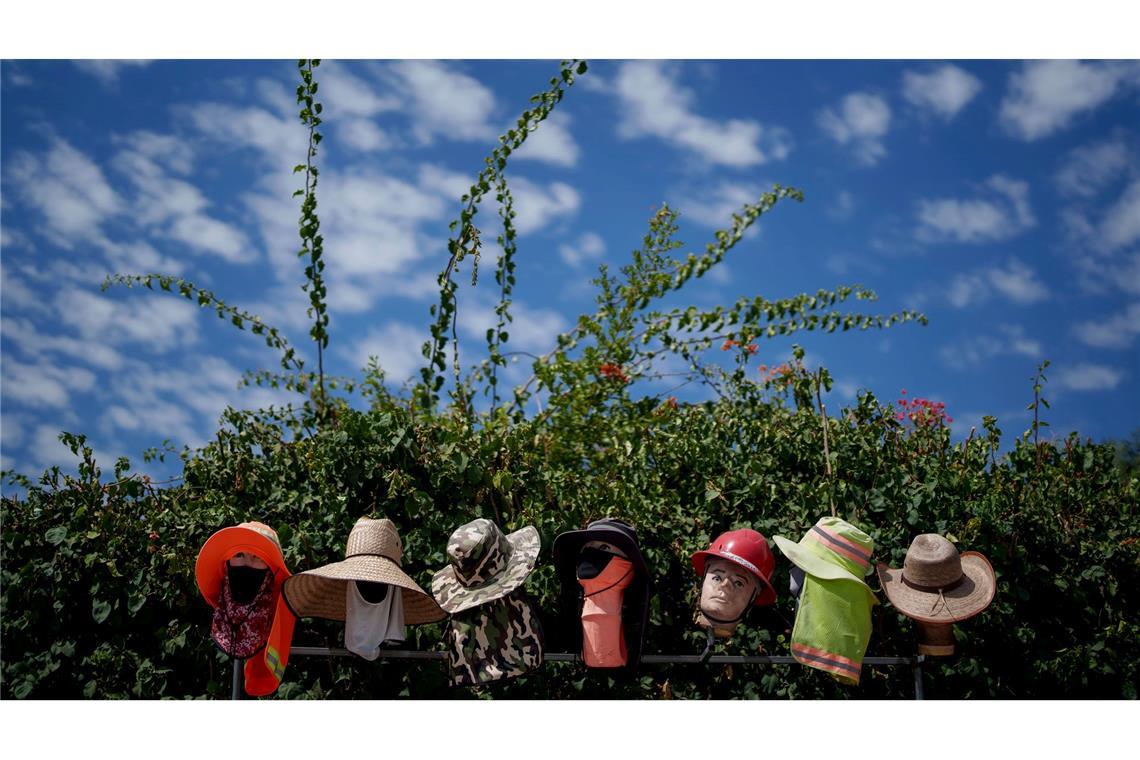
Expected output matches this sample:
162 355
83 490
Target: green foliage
97 590
99 596
312 242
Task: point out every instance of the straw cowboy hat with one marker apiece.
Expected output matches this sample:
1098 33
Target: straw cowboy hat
373 553
485 564
936 584
248 537
833 549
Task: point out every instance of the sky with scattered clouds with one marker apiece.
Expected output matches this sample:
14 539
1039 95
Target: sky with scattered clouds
1001 198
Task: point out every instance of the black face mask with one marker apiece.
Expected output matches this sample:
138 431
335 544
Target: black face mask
245 582
591 562
372 592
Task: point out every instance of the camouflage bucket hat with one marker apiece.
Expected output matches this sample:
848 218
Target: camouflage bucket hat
494 642
485 565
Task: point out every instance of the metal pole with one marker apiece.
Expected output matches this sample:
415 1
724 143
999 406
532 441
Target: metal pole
235 688
918 676
649 659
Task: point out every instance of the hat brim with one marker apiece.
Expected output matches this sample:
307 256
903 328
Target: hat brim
972 595
767 593
818 567
454 597
321 592
567 546
223 545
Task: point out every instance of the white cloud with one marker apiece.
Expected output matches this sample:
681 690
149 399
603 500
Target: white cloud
1045 96
1089 169
183 402
212 236
1112 332
1120 226
363 135
43 385
532 329
160 324
538 207
1006 340
844 206
451 185
1016 281
655 104
715 206
107 71
862 121
69 189
588 247
35 344
1000 212
551 143
444 102
274 136
344 94
943 91
1088 377
397 347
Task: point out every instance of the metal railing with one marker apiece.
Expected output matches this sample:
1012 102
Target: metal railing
704 657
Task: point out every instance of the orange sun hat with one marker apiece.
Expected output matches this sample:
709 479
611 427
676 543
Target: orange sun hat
264 670
249 537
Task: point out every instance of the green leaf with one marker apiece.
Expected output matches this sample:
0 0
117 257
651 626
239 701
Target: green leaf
100 610
55 536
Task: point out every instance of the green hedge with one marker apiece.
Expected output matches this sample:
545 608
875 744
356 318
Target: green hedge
98 594
99 598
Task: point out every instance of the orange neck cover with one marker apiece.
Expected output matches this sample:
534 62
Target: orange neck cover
603 640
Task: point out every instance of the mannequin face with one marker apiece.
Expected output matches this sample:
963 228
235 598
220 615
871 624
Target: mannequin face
605 547
242 559
595 557
727 589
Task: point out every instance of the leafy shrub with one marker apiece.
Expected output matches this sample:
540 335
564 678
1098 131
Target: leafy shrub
98 593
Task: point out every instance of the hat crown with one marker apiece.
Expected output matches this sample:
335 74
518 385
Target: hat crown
264 530
478 551
932 561
839 542
375 537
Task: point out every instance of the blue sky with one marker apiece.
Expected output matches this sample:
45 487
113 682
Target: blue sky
1001 198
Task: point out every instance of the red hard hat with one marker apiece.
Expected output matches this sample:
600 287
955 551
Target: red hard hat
746 548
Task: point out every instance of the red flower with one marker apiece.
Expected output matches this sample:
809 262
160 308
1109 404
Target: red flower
613 372
752 348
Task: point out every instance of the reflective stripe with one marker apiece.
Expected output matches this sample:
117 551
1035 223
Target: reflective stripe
740 561
828 660
274 661
842 546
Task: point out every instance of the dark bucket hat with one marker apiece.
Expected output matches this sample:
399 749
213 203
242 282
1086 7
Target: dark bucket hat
611 530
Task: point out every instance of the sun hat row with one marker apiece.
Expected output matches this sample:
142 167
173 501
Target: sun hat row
936 585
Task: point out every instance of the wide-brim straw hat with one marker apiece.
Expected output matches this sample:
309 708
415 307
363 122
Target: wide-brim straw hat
833 549
485 564
936 584
373 553
248 537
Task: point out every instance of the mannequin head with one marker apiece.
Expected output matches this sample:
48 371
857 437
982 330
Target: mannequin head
244 559
595 557
726 593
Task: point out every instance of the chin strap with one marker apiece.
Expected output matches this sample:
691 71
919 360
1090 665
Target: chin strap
607 588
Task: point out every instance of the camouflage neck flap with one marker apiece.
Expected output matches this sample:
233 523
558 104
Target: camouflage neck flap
495 641
479 552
